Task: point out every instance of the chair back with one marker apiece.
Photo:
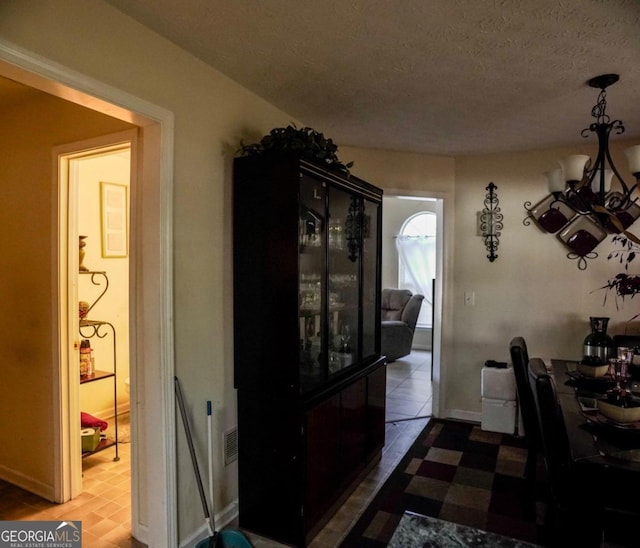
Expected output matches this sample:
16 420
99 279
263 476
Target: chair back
520 361
412 310
393 302
553 433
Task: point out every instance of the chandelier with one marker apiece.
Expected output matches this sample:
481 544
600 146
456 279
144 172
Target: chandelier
589 199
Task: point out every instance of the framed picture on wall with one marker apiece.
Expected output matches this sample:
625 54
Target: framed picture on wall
114 220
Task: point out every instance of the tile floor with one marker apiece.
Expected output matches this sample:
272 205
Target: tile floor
104 507
409 387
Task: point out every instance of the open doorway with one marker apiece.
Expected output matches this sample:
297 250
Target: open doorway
412 259
95 182
153 470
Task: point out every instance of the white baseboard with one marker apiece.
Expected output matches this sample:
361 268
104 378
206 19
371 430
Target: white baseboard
222 519
27 483
107 413
140 533
123 408
227 515
460 414
420 347
196 536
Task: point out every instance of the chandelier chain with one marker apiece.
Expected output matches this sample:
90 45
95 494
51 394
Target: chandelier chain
599 109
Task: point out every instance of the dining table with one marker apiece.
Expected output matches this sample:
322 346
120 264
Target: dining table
595 442
605 456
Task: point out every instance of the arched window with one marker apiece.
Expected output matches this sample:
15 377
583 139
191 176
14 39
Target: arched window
416 245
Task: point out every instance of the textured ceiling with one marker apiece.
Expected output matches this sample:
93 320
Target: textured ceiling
437 76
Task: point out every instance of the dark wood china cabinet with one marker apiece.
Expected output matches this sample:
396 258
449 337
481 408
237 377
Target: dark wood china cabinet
308 370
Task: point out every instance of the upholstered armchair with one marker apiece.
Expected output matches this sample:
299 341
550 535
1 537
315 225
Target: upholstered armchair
400 309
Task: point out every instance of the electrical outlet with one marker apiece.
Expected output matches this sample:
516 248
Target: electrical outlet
469 298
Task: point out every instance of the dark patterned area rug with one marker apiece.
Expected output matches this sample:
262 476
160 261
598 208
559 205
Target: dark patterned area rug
458 473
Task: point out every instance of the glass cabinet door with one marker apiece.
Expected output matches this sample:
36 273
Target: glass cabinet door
312 282
370 305
344 270
339 316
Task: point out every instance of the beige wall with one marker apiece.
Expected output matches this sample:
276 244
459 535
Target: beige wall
532 289
28 133
402 170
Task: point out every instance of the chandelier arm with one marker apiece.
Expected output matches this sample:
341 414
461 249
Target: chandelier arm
599 110
576 201
602 131
557 200
626 191
613 219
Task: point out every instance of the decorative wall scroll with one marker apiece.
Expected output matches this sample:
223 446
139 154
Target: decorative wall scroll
491 222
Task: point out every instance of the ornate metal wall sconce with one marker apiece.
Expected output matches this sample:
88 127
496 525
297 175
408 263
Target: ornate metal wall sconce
491 222
356 227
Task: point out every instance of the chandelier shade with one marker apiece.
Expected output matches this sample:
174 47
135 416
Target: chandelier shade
573 167
555 180
591 189
633 157
608 175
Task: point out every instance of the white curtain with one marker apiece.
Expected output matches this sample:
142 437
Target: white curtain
417 256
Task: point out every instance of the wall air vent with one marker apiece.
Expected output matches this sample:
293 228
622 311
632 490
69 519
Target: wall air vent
230 446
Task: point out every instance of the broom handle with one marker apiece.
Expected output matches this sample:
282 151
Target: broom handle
210 462
187 431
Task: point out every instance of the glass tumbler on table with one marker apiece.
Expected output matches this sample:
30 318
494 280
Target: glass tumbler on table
625 355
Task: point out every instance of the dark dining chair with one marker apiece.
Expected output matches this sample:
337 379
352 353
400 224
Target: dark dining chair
575 512
520 361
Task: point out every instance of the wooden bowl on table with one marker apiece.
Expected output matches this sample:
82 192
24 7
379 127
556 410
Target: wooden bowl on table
622 411
593 369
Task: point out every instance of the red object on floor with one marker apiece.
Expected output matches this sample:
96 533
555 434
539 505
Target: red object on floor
89 421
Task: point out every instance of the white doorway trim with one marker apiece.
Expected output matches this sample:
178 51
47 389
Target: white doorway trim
155 520
443 203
